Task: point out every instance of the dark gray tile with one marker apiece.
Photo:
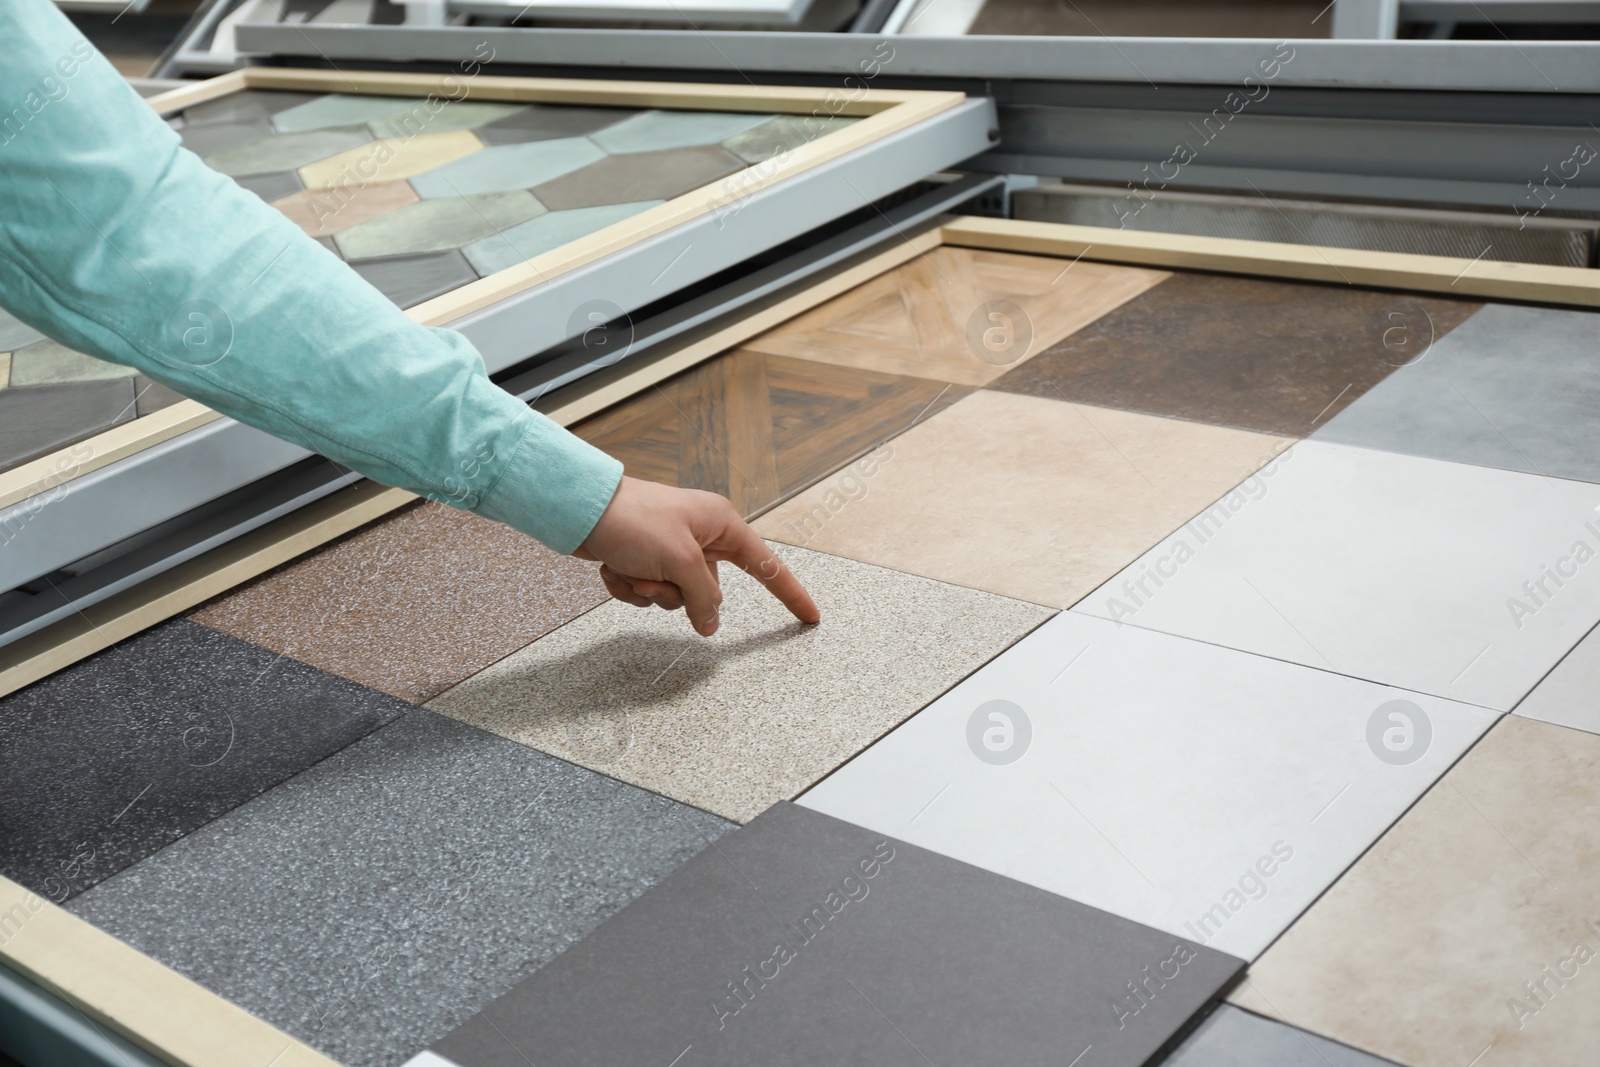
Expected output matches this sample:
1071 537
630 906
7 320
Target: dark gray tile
245 106
639 176
35 419
803 940
409 280
111 759
548 122
1232 1037
1512 387
210 138
270 187
151 395
377 900
15 334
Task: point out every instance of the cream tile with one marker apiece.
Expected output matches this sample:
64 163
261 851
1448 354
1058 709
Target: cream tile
5 369
757 713
959 315
1032 498
390 159
1470 934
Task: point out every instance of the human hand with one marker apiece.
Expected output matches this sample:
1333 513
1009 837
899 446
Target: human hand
660 545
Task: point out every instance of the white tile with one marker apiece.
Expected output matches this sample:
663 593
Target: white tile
1164 780
1570 694
1413 572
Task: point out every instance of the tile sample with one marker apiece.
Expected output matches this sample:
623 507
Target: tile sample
745 424
1570 694
50 363
248 105
536 236
270 187
452 115
638 695
40 418
1513 387
1050 764
113 758
645 176
783 134
960 315
340 109
437 225
372 903
409 280
867 933
208 139
391 159
1035 499
1231 1037
330 211
1470 931
1274 356
654 131
15 334
287 151
412 604
1413 572
506 167
545 122
150 396
5 369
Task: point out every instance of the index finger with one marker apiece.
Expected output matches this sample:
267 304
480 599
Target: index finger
744 548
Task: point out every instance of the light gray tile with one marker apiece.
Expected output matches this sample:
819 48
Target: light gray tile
1232 1037
546 232
501 168
783 134
15 334
656 130
51 363
41 418
409 280
270 187
339 109
437 225
1570 694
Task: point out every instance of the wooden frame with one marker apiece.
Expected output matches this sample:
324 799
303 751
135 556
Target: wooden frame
186 1024
883 111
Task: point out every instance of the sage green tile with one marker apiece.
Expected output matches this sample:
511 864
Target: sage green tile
546 232
440 116
245 106
656 130
211 138
15 334
286 151
270 187
645 176
49 363
549 122
783 134
340 109
505 167
438 225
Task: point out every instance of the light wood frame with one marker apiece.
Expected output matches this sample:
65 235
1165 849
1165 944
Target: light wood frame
883 112
186 1024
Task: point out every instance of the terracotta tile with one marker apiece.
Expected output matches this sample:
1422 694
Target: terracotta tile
745 424
546 122
411 605
437 225
1469 933
330 211
409 280
286 151
1036 499
734 723
641 176
1279 357
959 315
390 159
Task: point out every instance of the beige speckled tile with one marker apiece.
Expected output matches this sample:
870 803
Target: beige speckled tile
1037 499
412 604
390 159
1470 933
328 211
760 711
5 369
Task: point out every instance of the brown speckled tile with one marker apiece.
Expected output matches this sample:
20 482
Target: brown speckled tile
414 604
1278 357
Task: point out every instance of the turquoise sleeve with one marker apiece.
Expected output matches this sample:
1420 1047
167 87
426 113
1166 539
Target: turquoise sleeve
118 242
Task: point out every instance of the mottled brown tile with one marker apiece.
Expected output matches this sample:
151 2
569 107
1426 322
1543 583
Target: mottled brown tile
1274 356
413 604
639 176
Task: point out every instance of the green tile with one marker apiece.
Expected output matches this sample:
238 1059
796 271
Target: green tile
437 225
506 167
420 118
340 109
656 130
546 232
286 151
783 134
49 363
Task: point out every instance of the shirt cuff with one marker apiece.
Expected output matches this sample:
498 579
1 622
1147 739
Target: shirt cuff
555 487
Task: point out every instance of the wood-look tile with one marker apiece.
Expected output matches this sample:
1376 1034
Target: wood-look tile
1036 499
1232 1037
1395 568
1275 356
409 280
959 315
1512 387
1205 792
500 168
783 134
374 902
391 159
451 115
549 231
329 211
645 176
637 695
40 418
412 604
114 758
248 105
871 931
339 109
15 334
746 424
151 396
271 187
437 225
51 363
287 151
544 122
1470 931
654 131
